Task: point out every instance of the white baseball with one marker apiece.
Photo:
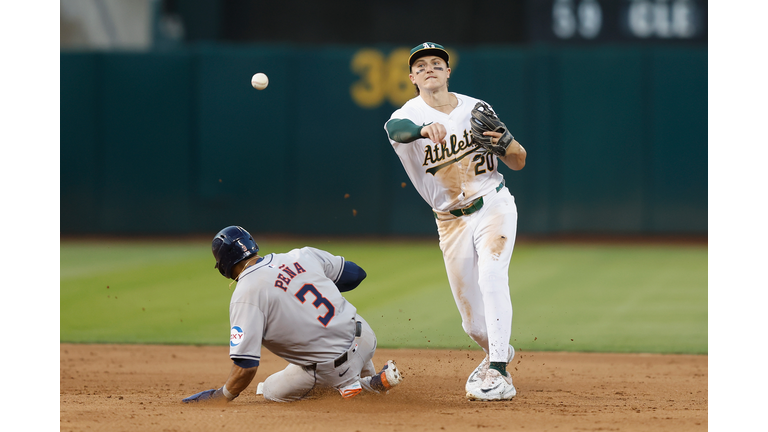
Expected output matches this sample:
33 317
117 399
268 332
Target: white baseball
259 81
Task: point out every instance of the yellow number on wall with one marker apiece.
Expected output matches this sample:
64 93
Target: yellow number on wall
384 79
368 92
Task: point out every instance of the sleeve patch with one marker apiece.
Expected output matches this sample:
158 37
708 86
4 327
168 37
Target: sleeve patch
236 336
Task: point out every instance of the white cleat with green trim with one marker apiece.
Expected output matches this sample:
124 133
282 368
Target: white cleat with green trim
495 386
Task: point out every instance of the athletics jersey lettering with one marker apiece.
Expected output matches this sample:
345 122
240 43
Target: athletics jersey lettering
442 151
437 168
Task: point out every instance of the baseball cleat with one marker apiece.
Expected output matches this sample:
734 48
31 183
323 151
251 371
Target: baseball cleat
260 389
476 378
390 375
495 387
351 390
478 375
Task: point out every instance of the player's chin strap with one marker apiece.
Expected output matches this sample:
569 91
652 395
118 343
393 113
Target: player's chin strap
247 264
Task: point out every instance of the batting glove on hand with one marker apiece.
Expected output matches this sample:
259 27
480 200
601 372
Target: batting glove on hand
484 119
208 395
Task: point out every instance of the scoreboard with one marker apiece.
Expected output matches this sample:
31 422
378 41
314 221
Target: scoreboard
460 22
585 21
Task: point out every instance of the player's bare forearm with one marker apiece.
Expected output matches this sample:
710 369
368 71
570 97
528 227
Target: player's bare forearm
515 157
240 378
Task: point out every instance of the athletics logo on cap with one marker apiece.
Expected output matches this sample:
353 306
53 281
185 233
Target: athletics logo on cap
236 336
427 48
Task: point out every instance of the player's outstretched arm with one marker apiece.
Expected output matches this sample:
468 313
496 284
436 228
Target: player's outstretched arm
239 379
402 130
405 131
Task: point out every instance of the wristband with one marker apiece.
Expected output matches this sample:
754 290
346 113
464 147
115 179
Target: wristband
227 394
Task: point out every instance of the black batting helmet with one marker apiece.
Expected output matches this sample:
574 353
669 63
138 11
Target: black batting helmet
230 246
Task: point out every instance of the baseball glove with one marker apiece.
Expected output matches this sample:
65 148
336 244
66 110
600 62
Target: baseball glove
484 119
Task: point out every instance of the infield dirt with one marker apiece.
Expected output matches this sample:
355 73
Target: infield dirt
140 387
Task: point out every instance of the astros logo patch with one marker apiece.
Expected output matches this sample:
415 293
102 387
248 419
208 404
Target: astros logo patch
235 336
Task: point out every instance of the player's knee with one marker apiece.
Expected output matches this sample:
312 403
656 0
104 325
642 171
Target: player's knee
493 282
274 396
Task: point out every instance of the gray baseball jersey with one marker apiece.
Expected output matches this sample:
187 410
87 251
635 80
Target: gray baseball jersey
289 303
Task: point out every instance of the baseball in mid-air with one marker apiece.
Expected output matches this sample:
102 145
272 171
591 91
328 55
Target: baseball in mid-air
259 81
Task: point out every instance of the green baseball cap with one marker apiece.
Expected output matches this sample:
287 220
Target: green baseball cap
427 48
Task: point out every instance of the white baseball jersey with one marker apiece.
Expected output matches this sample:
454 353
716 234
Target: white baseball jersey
289 303
448 176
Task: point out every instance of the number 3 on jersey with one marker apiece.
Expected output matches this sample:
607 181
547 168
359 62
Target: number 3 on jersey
319 301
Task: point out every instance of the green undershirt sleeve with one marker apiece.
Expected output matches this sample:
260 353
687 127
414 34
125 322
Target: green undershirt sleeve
403 130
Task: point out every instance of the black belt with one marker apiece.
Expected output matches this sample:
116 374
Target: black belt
340 361
343 358
474 206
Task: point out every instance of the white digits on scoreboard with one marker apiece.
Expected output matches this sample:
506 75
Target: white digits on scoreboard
662 18
586 19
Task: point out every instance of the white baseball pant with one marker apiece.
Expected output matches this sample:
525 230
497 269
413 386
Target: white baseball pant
477 249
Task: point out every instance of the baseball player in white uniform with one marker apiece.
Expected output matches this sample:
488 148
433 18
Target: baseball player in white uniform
476 216
292 304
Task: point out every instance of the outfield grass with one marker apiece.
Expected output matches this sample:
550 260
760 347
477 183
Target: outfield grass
566 297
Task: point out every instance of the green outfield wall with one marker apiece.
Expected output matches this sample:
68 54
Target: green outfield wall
178 142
